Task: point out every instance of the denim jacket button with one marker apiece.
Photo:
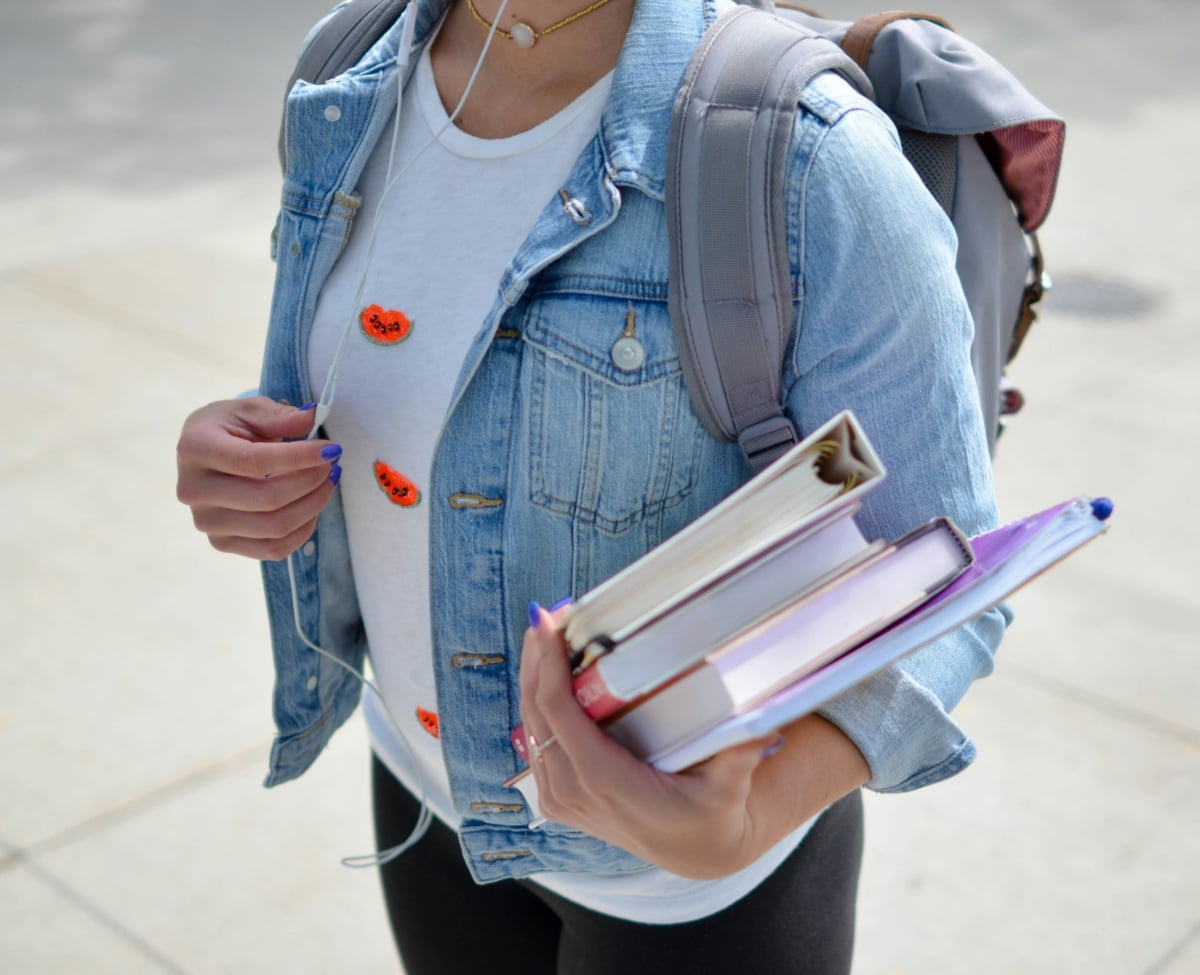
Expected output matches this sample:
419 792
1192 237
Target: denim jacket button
332 113
311 683
576 209
309 548
628 354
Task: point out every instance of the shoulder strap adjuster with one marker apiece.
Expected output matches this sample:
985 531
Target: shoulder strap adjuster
764 442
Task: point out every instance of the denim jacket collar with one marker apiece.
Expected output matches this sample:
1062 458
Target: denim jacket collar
630 149
635 127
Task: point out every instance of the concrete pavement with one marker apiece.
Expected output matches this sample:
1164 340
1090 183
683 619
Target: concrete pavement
137 198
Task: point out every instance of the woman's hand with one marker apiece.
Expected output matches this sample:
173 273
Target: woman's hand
254 488
709 821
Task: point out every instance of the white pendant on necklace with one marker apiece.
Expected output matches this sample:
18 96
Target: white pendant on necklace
523 35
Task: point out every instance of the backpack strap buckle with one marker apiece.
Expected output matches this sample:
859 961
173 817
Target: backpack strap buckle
764 442
1037 286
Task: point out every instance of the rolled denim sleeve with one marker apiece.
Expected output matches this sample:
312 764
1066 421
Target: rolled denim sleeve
884 330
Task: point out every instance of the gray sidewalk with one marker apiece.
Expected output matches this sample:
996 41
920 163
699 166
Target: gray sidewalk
134 692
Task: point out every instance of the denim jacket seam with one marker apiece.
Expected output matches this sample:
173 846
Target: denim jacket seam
962 756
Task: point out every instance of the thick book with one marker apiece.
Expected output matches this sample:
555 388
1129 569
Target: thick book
828 471
1005 559
796 639
755 590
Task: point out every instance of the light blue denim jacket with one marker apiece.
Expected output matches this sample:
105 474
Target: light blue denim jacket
556 466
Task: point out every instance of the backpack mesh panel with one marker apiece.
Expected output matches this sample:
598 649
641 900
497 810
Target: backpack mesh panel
935 158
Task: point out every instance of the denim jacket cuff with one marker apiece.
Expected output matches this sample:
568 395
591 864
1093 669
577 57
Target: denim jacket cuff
901 728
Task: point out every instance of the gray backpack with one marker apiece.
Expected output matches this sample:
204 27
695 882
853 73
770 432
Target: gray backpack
987 150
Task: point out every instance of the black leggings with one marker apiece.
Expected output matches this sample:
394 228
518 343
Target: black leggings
799 921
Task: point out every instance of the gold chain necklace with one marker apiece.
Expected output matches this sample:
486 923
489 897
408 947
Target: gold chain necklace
522 34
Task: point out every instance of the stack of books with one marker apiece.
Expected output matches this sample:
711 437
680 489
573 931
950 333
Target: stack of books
774 601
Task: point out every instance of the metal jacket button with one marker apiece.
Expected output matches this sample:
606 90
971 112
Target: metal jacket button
576 209
628 354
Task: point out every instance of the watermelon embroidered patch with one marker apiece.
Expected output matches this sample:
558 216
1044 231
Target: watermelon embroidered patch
429 721
384 326
398 488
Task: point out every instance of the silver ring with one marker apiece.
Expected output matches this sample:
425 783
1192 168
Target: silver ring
536 748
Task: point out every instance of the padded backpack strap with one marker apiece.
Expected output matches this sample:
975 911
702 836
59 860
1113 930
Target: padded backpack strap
341 41
730 288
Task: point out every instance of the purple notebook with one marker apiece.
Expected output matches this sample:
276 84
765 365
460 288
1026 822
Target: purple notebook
1005 559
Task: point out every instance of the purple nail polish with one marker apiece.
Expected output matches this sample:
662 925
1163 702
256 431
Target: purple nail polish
335 475
535 614
332 452
772 748
307 406
560 604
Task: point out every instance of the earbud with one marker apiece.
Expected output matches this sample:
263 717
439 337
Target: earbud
404 50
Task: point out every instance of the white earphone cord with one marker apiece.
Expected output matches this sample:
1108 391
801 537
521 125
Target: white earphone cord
329 389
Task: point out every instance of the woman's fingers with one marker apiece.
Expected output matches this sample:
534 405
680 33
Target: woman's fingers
253 489
211 489
265 513
540 633
554 704
696 822
726 777
254 438
264 549
582 774
214 449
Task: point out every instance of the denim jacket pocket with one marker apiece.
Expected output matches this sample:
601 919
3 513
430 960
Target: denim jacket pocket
612 436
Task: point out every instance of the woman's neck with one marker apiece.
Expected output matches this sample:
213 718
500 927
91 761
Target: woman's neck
520 87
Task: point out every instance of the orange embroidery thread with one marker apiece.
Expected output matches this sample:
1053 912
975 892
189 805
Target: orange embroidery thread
384 326
429 721
399 489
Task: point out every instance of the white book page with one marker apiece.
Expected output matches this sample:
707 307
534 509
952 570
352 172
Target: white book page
687 634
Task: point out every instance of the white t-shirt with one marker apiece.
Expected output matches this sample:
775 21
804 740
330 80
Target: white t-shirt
458 209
